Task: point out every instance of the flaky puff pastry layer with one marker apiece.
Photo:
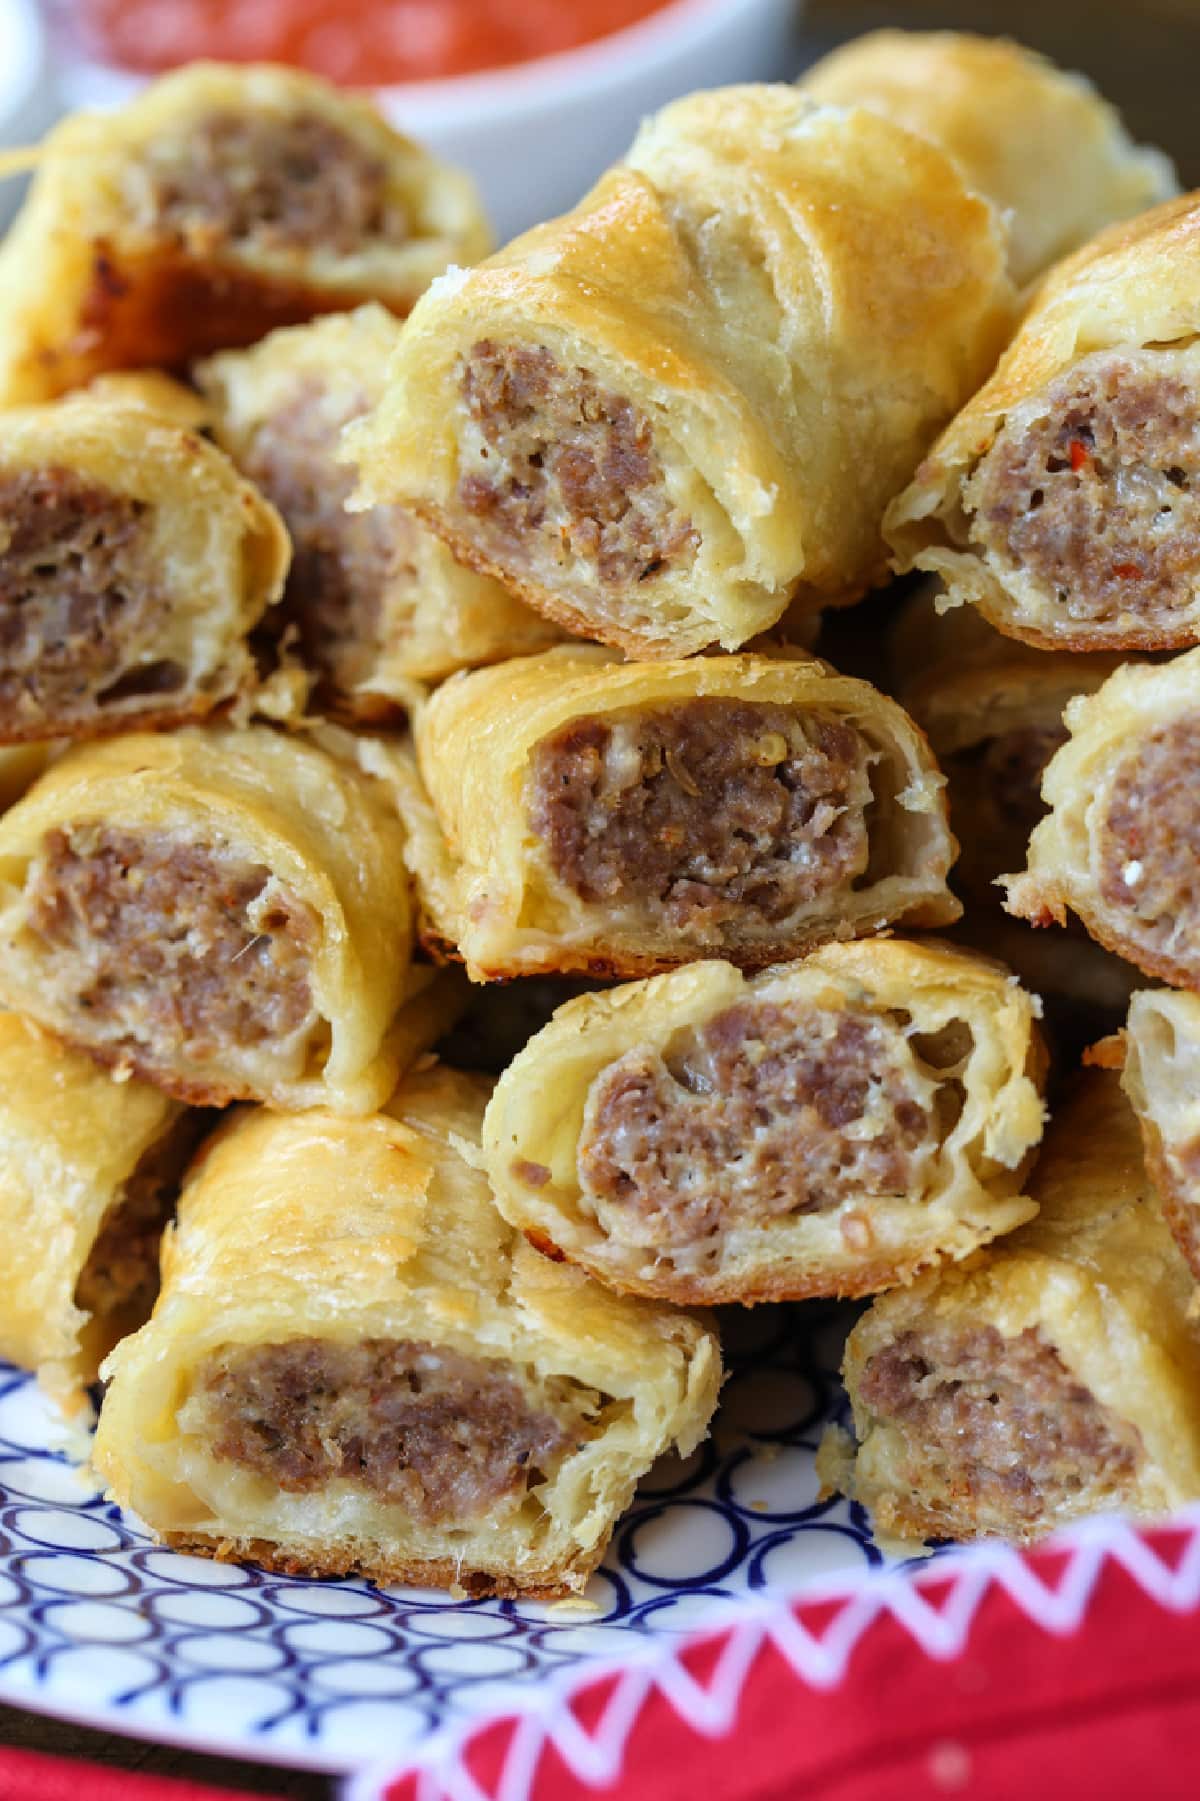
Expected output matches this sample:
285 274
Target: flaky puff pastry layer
488 883
1116 845
1093 400
139 558
20 766
1162 1079
378 599
1042 144
115 261
708 380
992 710
375 1229
71 1141
707 1139
1097 1282
325 850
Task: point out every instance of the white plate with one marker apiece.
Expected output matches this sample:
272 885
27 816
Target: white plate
97 1624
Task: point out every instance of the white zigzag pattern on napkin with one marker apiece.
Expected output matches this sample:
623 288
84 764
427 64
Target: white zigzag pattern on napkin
1058 1605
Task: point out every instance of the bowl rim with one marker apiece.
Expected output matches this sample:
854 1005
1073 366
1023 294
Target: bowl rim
600 62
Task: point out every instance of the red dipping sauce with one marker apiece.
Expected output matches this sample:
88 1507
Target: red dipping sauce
371 43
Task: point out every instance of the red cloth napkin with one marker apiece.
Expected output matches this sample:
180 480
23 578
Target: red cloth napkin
27 1776
1073 1671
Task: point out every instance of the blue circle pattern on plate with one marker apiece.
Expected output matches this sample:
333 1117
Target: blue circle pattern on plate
97 1622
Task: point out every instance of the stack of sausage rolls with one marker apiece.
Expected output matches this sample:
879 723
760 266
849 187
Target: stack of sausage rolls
453 928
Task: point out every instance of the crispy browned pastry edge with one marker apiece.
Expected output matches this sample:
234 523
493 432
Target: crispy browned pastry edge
1145 640
344 1557
124 1062
750 1291
1051 909
83 731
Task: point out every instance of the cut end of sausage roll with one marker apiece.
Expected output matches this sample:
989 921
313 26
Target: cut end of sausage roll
1054 1375
89 1172
393 1383
225 913
1162 1080
649 418
133 563
376 600
1042 144
220 203
631 818
1120 842
1061 501
827 1128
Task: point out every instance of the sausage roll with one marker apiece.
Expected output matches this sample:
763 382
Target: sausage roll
618 818
1162 1079
219 203
355 1365
1056 1374
377 600
134 561
89 1169
1120 843
827 1127
1064 500
993 712
225 912
662 417
1042 144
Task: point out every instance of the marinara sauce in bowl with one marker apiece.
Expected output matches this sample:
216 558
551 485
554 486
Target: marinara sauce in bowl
535 97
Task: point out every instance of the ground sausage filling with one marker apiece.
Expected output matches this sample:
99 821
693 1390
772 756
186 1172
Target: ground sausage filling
270 181
168 950
1149 848
1098 501
76 603
553 460
342 563
718 819
1003 1437
120 1277
765 1112
446 1436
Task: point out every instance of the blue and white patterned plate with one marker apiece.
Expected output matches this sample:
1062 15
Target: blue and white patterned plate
99 1625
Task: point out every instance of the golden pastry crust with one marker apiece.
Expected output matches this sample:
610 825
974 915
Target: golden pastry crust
992 710
224 911
1042 144
220 203
135 563
1080 1326
507 876
71 1142
1115 845
1161 1076
1043 502
666 417
832 1161
378 601
359 1232
20 766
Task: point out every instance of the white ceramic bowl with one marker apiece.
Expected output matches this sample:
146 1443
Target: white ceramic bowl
536 136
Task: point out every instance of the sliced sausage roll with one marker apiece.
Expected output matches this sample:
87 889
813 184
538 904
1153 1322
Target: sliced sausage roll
224 912
89 1171
1055 1375
1121 843
356 1366
618 818
662 417
993 712
1064 501
828 1127
219 203
377 601
134 561
1042 144
1162 1079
